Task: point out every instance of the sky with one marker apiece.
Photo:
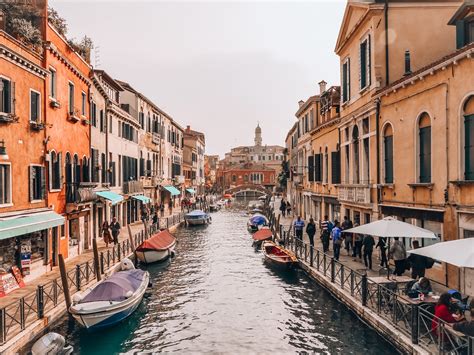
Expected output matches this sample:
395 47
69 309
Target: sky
219 66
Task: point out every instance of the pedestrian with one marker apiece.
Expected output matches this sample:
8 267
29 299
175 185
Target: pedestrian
288 209
357 248
347 224
382 244
162 209
418 263
106 233
399 254
368 244
336 239
115 227
170 206
155 218
325 234
311 231
283 207
299 226
467 326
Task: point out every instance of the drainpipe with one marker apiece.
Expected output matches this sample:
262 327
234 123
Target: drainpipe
387 61
377 142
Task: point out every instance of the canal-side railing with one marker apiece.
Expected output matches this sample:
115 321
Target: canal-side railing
413 320
20 313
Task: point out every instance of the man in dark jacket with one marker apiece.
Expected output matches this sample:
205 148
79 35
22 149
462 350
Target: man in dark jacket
311 231
466 327
418 262
368 244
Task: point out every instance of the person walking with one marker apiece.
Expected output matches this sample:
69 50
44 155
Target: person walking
299 226
357 247
162 209
347 224
283 207
115 227
399 254
106 233
382 244
418 262
325 234
311 231
336 239
155 218
368 244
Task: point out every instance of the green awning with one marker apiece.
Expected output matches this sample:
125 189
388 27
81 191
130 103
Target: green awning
15 226
142 198
111 196
191 191
172 190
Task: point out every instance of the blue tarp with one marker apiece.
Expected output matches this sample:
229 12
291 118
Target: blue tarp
142 198
111 196
116 287
172 190
258 220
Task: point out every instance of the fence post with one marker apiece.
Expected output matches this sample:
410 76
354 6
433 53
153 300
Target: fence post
311 255
305 252
3 325
333 270
379 299
342 276
87 271
101 262
118 251
40 301
365 289
324 264
55 292
22 313
352 283
167 223
414 324
318 257
78 277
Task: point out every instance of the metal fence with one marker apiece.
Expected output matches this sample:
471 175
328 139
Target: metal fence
20 313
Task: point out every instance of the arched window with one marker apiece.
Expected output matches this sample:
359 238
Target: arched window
355 157
68 168
388 153
85 169
468 111
76 170
424 148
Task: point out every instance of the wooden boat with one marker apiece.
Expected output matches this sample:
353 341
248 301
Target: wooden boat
214 207
278 256
157 248
112 299
261 235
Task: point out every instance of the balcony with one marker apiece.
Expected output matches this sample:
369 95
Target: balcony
155 138
132 187
150 181
354 193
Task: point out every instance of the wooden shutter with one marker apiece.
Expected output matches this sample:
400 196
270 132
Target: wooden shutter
425 154
31 182
344 83
317 167
388 158
7 97
50 171
460 33
369 60
469 147
311 168
60 170
95 165
43 183
336 167
142 167
348 78
148 168
12 98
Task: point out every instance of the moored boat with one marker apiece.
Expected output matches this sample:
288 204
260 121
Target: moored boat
214 207
278 256
261 235
256 222
111 300
157 248
197 217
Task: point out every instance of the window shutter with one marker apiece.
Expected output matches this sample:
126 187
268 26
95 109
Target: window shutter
369 61
60 170
360 64
43 182
425 154
469 147
460 33
148 168
336 167
6 97
50 172
32 177
12 98
317 167
348 78
311 168
142 167
388 151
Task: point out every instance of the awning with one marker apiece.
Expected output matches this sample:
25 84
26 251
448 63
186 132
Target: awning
111 196
142 198
191 191
172 190
14 226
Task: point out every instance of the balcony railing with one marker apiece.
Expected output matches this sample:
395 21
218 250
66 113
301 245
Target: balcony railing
355 193
132 187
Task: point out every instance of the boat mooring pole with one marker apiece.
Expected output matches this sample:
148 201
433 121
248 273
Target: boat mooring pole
96 259
62 269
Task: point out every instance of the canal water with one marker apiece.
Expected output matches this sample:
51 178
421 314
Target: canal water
218 296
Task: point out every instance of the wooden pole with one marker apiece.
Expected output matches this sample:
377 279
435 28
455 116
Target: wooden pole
130 237
62 269
96 259
277 226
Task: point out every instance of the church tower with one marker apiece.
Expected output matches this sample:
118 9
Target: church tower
258 136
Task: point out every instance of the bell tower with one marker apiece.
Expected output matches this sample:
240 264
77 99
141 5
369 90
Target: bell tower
258 136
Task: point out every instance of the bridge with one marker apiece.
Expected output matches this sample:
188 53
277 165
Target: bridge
248 190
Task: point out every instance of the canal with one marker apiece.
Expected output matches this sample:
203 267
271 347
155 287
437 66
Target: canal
217 295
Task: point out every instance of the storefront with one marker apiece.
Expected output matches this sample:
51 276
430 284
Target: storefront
109 206
169 194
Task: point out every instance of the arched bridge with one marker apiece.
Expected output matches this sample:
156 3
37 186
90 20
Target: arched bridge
249 190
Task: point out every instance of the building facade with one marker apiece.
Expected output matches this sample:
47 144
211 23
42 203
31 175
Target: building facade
193 155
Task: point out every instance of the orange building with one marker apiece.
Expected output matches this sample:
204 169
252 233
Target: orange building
246 174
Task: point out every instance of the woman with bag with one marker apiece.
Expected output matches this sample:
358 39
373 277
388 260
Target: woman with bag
106 233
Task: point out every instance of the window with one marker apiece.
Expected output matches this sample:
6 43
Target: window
346 80
355 152
336 167
83 104
101 121
71 98
103 164
34 106
55 171
5 184
37 183
424 148
311 168
6 96
469 139
234 178
52 83
110 124
95 165
326 166
365 64
318 167
94 114
388 154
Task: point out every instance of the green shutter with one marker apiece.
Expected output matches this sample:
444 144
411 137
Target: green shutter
460 34
388 157
311 168
469 147
336 167
425 155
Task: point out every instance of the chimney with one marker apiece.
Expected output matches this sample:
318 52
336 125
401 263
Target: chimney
188 128
322 87
301 103
3 21
407 63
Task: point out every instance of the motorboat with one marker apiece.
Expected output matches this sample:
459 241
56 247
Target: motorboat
262 198
255 211
256 222
111 300
51 343
197 217
260 236
277 256
157 248
214 207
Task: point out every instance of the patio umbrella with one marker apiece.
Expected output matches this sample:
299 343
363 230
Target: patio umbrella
458 252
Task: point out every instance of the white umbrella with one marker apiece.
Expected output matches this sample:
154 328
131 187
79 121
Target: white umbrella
458 252
390 227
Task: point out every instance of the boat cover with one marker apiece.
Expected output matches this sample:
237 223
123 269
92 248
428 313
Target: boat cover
159 241
196 213
116 287
258 220
262 234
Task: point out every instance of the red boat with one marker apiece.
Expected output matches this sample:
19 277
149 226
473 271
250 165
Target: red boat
157 248
278 256
262 235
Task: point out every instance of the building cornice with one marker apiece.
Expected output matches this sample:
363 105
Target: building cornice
12 57
56 53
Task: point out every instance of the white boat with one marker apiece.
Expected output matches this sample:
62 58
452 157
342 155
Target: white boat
157 248
197 217
111 300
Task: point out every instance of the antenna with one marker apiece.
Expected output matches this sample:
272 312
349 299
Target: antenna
97 56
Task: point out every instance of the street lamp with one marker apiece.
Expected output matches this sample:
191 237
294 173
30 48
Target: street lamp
3 151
